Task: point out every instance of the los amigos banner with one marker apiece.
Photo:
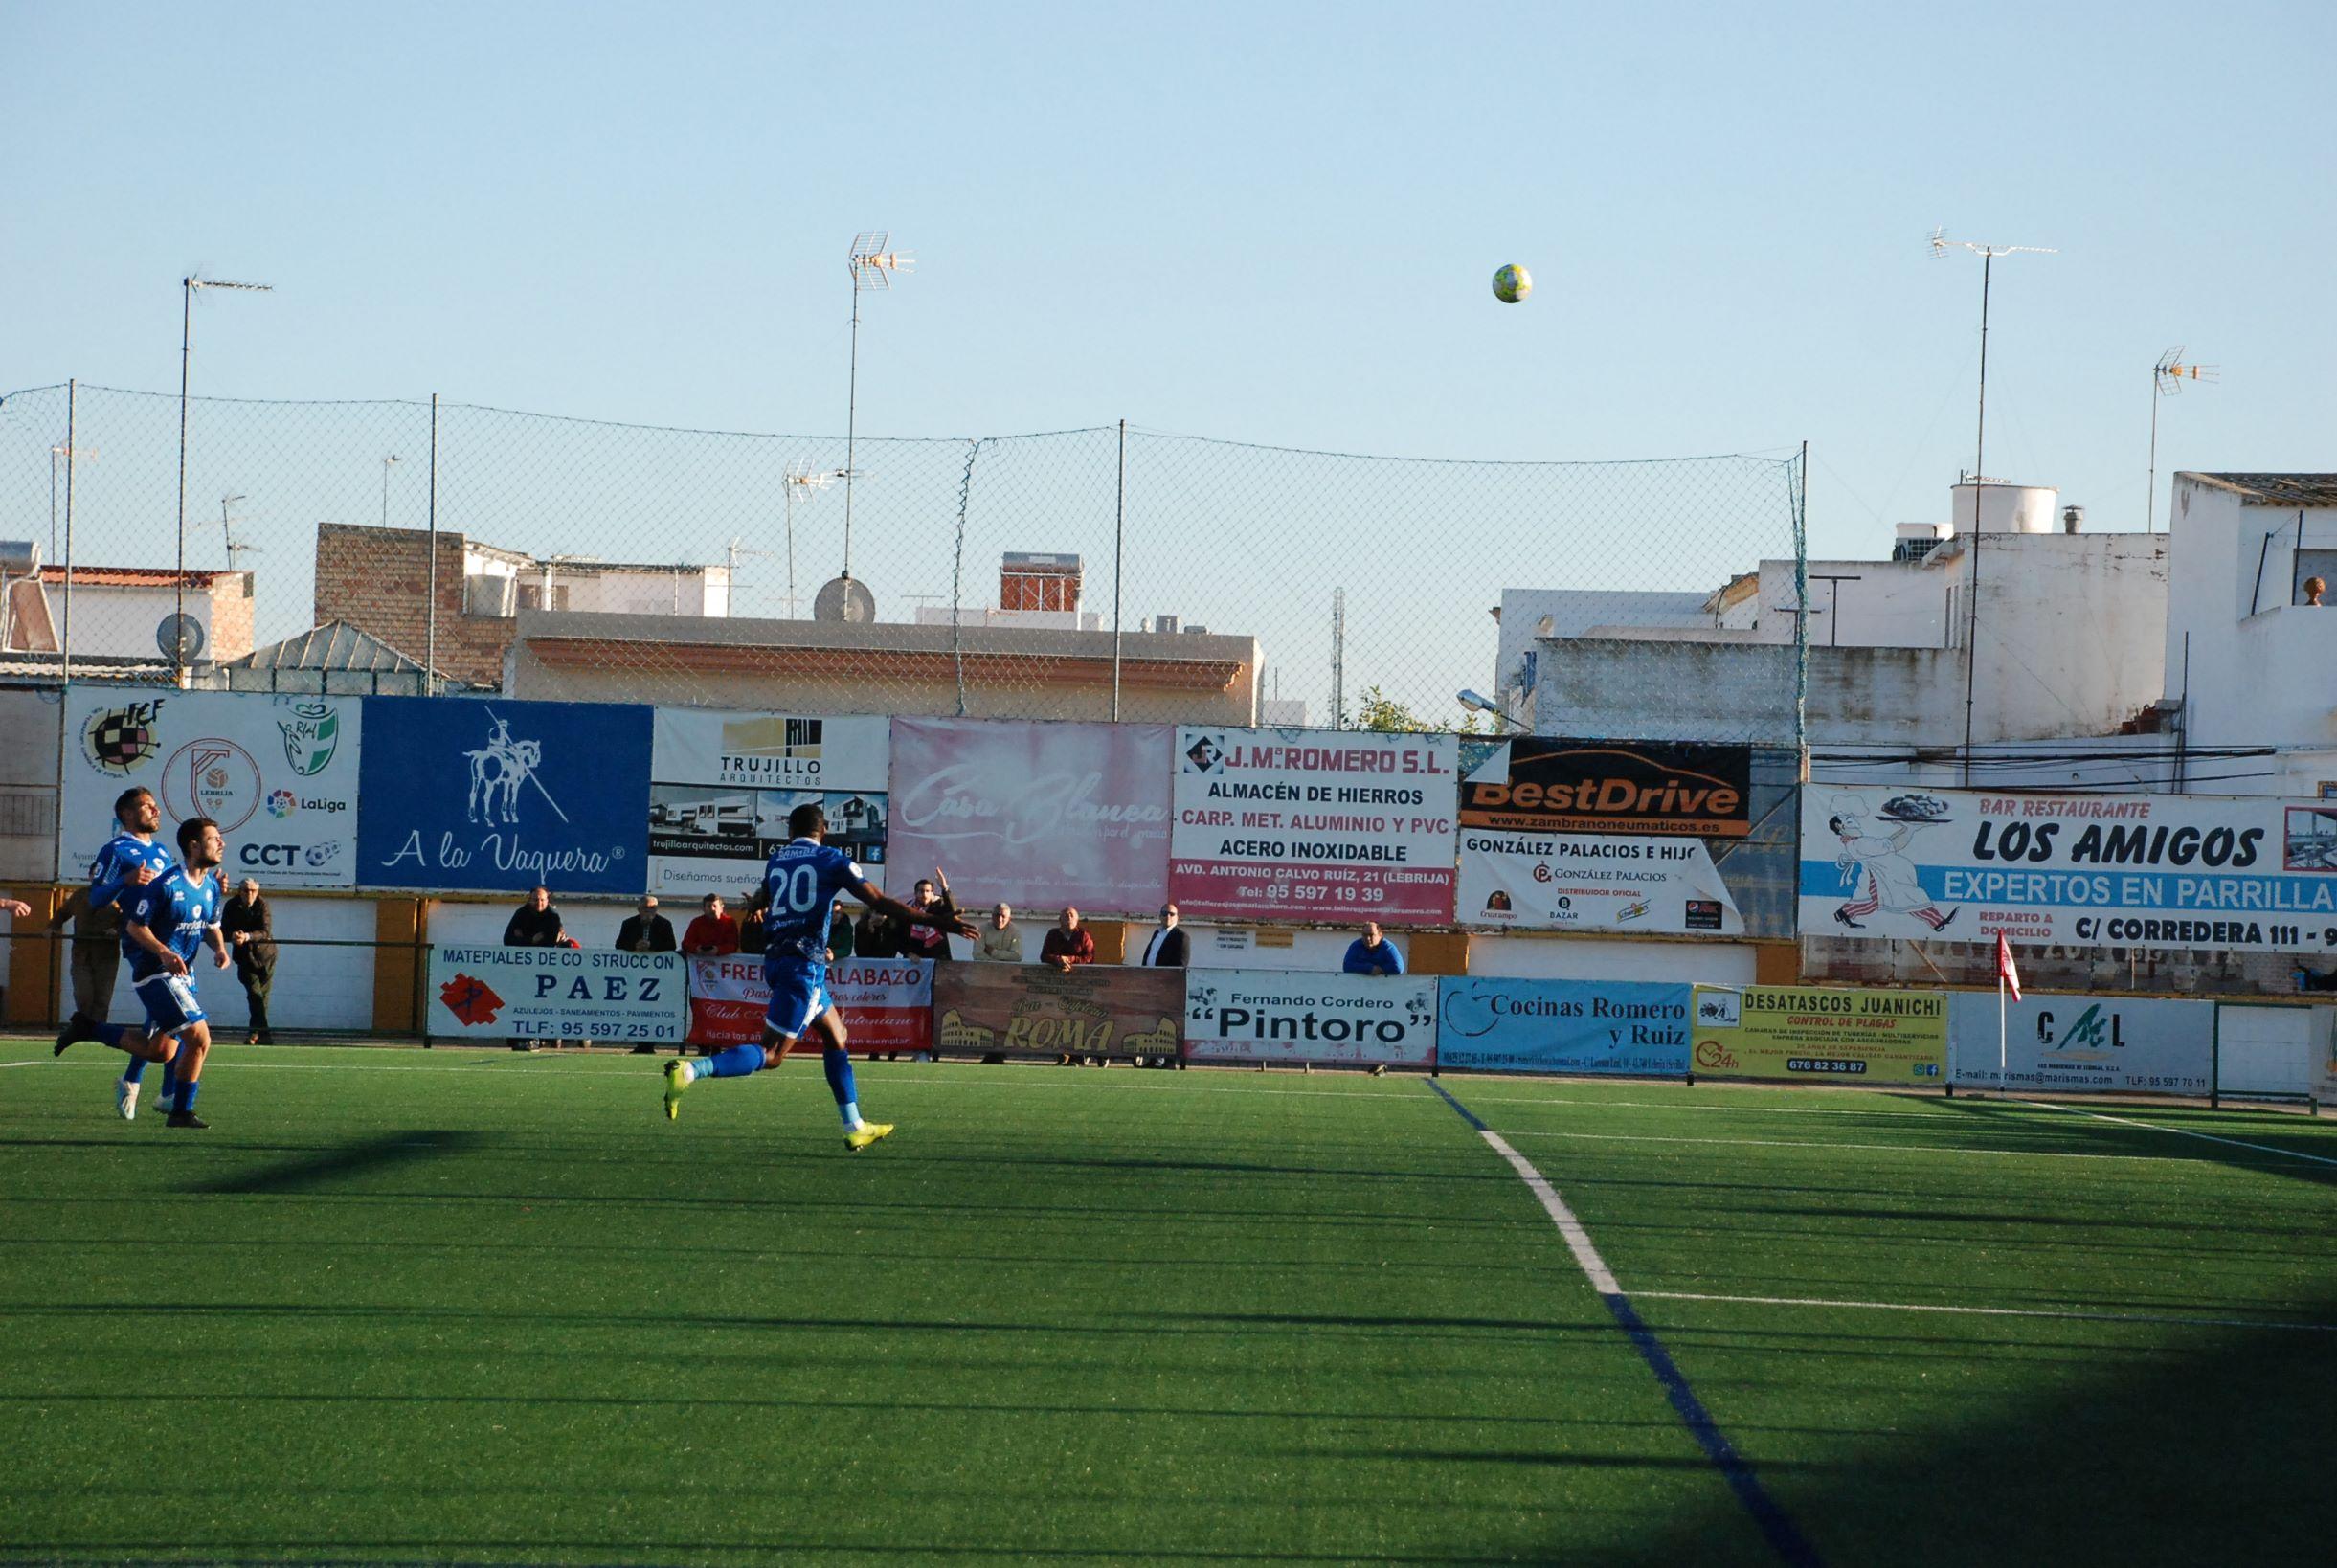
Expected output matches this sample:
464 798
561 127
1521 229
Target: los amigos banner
2184 873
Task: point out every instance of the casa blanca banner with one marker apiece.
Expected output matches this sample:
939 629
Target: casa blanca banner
1634 1027
1249 1015
1310 824
2082 1044
2181 873
722 785
279 774
494 795
556 993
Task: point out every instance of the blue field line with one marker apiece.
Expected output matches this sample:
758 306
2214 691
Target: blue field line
1785 1537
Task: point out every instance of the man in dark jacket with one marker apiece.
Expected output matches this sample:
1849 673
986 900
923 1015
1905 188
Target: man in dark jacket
534 924
645 930
1168 946
244 921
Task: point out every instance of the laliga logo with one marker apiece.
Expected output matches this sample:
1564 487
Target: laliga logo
281 804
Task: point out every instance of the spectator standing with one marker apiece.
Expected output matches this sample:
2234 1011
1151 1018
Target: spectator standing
1002 940
875 936
245 922
1066 945
645 930
1373 953
95 954
714 934
839 938
534 924
1168 946
750 934
921 940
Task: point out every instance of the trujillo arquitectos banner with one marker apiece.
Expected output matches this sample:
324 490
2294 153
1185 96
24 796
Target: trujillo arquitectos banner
2178 873
1252 1015
1629 1028
502 994
887 1004
722 785
2093 1045
1313 824
1601 836
1033 1010
1819 1032
279 774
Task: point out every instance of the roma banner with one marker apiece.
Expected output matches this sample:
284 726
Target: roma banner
887 1004
2085 1045
2182 873
279 774
722 784
501 993
1033 1010
1047 816
1634 1027
1259 1015
1313 824
1818 1032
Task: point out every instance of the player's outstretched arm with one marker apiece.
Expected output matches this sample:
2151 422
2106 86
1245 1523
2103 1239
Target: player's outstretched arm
954 924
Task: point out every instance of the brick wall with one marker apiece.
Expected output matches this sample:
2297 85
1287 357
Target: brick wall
231 615
377 580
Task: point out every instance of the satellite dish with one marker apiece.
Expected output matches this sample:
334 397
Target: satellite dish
180 637
847 601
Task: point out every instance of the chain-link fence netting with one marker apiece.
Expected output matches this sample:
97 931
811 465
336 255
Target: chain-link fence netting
1109 571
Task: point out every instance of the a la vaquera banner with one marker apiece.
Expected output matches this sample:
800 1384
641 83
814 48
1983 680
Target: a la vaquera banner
2183 873
1313 824
722 785
2081 1043
1256 1015
1489 1025
887 1004
1820 1032
498 795
279 774
556 993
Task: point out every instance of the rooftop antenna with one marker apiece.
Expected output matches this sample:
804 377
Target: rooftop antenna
227 535
1940 245
71 454
871 267
801 478
192 283
1338 658
2167 378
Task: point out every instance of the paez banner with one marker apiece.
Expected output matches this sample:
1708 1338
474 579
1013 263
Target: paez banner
1030 1010
887 1004
1313 824
1257 1014
556 993
2085 1045
1638 1028
498 795
279 774
1657 885
1778 1031
1039 815
2182 873
722 784
1540 784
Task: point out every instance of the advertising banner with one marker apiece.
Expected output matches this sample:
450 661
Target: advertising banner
279 774
496 795
887 1004
2180 873
1313 824
722 784
1812 1032
1041 815
1031 1010
502 994
1578 882
2075 1043
1260 1015
1542 784
1639 1028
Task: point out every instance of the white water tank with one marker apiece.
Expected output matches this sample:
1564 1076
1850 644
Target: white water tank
2006 509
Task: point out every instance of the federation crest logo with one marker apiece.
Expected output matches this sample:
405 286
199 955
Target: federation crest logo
311 737
214 778
120 741
281 804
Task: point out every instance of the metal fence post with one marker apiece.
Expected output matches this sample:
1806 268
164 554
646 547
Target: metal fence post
430 613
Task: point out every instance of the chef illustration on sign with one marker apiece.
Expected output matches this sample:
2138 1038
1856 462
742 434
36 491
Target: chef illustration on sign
1889 877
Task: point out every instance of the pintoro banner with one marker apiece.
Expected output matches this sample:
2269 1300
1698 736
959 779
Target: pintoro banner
1254 1015
1313 824
887 1004
1820 1032
501 993
2181 873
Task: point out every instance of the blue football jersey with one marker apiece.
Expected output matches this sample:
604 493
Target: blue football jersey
119 861
803 879
177 909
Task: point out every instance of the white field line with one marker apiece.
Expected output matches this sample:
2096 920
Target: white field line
1578 1239
1985 1312
2185 1132
1874 1148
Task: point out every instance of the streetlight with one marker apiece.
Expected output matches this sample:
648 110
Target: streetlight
1478 703
385 464
185 363
872 267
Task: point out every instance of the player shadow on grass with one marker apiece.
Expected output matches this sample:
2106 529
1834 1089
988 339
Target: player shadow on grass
329 1168
2220 1138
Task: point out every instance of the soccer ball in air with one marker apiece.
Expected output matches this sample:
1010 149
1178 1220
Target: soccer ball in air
1512 283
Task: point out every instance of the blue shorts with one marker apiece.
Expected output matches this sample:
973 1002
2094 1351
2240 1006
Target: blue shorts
169 1001
798 995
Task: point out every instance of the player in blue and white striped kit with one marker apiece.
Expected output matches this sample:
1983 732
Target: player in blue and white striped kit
802 881
130 860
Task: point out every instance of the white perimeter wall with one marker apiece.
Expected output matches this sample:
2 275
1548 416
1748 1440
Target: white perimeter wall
1591 958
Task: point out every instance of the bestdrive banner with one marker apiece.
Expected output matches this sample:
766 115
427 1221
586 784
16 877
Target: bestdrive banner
1601 836
2183 873
1816 1032
887 1004
1310 824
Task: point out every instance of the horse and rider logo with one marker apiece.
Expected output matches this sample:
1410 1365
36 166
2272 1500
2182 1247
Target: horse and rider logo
498 770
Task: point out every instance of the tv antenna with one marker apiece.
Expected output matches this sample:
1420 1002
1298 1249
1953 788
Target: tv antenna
227 533
802 478
192 285
871 267
2167 378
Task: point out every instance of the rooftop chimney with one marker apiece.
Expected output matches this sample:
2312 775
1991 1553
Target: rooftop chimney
1028 581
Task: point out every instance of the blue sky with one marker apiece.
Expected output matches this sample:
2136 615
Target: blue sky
1267 222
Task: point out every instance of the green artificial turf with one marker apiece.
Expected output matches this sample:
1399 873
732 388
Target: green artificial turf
484 1308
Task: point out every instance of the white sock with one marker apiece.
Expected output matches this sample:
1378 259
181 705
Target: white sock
851 1115
688 1074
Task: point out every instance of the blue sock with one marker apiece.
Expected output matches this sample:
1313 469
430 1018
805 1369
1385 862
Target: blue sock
111 1033
839 1063
186 1096
136 1070
736 1062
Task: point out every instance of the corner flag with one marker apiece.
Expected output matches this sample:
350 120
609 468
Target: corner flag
2006 972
